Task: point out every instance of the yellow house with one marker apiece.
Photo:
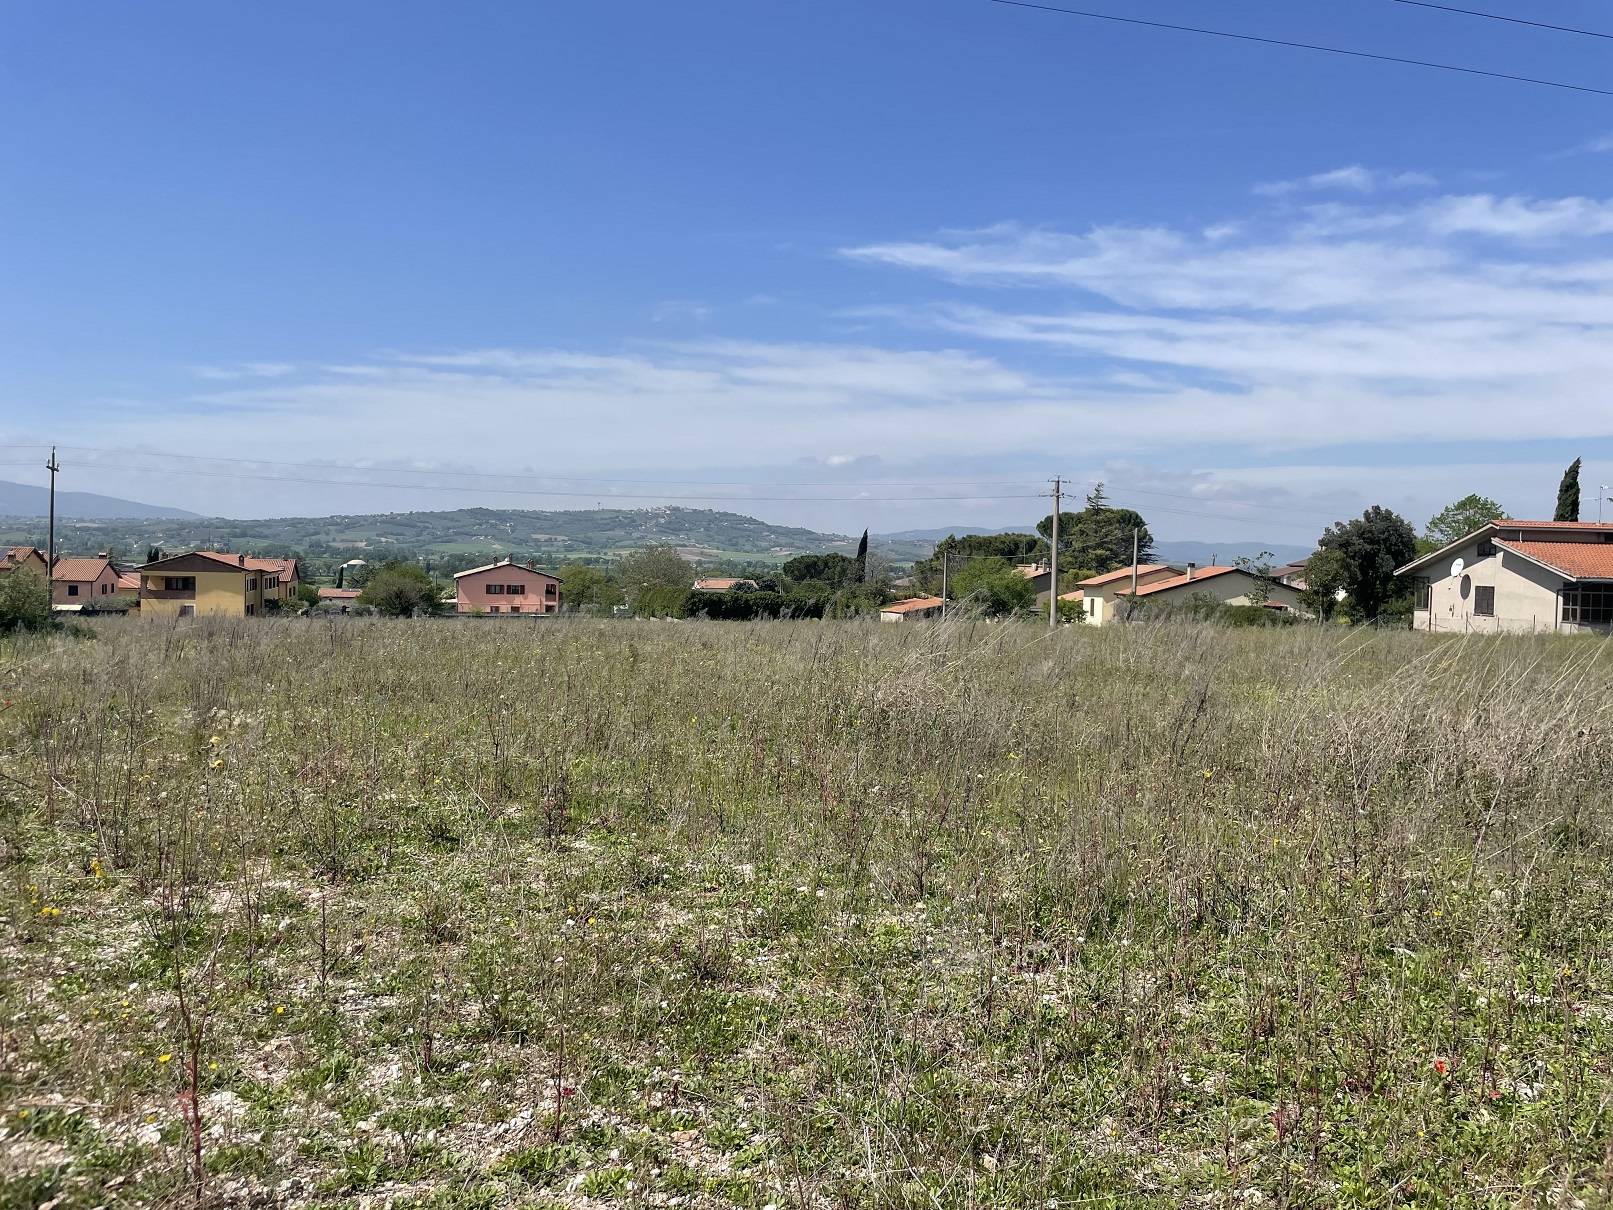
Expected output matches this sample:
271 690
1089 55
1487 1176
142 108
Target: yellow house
202 585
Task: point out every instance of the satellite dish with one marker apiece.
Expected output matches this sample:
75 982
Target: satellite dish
1456 568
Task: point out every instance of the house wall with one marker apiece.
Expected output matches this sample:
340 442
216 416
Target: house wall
533 597
218 594
1229 588
101 589
1526 596
1102 603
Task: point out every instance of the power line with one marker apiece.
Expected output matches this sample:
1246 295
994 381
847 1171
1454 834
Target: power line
1473 12
1330 50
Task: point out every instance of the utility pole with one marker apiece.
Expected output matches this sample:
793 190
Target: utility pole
1134 563
945 553
50 533
1601 494
1053 562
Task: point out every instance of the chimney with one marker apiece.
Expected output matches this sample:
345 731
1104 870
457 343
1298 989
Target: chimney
1191 568
103 554
241 559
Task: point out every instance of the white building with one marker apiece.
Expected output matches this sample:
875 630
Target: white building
1520 577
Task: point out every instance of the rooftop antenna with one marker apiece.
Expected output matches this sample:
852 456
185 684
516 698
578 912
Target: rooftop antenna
1601 494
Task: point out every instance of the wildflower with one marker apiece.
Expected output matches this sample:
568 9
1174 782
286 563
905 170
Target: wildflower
1209 773
218 764
50 913
22 1113
568 1091
95 867
163 1058
279 1010
1441 1066
215 741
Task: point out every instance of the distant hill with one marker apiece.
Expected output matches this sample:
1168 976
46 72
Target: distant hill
25 500
935 535
1207 553
703 534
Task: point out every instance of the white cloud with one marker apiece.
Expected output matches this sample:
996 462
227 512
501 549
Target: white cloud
1354 178
250 369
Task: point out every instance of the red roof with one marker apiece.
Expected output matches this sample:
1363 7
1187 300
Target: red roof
917 603
15 556
1576 560
1593 526
338 594
1203 573
80 569
1146 569
253 563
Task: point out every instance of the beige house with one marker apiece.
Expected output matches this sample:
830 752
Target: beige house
1224 586
1101 594
912 611
1518 577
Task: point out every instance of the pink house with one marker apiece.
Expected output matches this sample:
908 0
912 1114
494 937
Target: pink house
507 587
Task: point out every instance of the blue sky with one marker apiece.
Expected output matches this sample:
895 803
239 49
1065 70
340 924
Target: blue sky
829 262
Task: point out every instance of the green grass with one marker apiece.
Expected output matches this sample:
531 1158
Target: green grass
805 915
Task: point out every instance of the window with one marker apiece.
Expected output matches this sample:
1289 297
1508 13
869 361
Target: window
251 583
1588 604
72 590
179 583
492 609
1484 601
187 611
1425 594
515 590
550 591
515 609
1486 548
495 590
249 608
105 588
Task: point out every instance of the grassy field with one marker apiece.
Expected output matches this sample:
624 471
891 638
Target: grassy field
800 915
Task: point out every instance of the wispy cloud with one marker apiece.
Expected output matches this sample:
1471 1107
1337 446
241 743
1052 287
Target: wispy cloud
249 369
1354 178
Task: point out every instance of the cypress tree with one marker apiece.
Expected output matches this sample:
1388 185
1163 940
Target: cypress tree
1568 494
862 558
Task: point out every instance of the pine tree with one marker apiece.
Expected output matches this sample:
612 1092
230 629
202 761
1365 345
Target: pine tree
1568 494
1096 500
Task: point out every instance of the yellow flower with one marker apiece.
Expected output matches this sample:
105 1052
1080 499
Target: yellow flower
218 764
215 741
22 1113
1209 773
279 1010
164 1058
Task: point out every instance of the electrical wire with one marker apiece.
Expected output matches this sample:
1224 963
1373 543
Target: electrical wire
1473 12
1314 46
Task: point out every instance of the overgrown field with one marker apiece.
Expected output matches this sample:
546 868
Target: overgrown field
803 915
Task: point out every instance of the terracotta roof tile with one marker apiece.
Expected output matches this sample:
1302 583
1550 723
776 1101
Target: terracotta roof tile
915 604
79 569
1202 573
1593 526
1576 560
1144 569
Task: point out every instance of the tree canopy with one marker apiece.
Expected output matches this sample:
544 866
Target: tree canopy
960 552
24 600
1099 536
400 590
1372 545
995 585
1459 519
583 586
832 569
1568 494
654 567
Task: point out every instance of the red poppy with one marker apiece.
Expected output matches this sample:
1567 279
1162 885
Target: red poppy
1441 1066
566 1090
